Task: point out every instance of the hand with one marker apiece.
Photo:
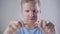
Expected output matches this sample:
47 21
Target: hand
47 28
13 27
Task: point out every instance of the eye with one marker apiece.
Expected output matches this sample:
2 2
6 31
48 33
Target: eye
34 11
27 10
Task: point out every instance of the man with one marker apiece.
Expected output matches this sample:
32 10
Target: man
30 11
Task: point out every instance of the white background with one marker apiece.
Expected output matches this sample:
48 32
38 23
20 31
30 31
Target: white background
10 10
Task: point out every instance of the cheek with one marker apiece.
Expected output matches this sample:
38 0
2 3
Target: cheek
25 15
36 14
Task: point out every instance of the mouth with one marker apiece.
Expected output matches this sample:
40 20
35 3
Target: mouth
32 18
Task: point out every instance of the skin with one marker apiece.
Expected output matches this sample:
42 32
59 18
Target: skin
30 13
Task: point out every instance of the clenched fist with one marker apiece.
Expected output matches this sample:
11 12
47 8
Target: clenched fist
13 27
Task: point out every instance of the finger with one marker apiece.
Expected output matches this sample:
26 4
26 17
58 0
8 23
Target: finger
38 24
16 23
13 28
21 23
50 25
43 24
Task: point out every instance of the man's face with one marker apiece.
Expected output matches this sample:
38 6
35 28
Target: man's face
30 12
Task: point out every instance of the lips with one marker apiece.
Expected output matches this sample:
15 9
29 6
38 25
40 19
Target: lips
32 18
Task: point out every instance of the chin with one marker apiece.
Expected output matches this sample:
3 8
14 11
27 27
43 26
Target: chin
32 20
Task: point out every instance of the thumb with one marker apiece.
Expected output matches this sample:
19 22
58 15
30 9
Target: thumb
43 24
21 23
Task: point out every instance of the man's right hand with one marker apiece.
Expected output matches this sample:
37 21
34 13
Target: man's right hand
13 27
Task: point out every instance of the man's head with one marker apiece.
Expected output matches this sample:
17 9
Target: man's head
30 9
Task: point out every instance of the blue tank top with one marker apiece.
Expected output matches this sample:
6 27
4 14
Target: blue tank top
34 31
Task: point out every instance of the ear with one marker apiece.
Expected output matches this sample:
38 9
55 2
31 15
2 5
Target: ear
39 11
38 8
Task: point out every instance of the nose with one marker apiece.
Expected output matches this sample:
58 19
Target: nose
31 13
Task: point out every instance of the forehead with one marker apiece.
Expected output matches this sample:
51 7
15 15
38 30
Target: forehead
30 5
